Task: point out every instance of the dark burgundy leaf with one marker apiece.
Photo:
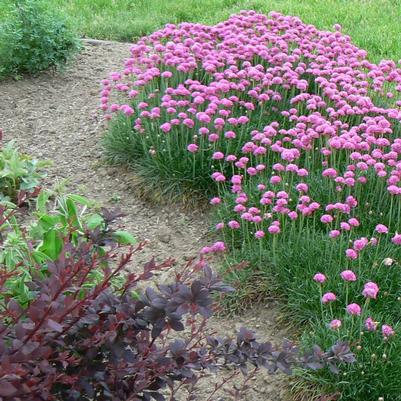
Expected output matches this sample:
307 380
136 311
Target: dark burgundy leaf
7 389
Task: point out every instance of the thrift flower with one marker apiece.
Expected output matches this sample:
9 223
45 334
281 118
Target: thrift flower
259 234
319 278
351 254
370 290
233 224
387 331
370 324
348 275
381 229
388 261
192 147
335 324
396 239
354 309
328 297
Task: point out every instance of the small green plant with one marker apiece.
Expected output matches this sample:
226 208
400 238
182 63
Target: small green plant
18 172
27 249
34 39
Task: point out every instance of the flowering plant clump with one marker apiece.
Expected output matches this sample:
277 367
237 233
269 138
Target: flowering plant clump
294 135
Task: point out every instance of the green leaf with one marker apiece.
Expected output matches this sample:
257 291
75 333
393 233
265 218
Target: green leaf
52 245
95 220
41 201
80 199
47 221
72 210
124 238
39 257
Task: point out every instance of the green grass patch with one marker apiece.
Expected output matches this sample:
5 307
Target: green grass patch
372 24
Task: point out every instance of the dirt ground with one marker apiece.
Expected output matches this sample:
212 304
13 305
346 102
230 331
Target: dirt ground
54 117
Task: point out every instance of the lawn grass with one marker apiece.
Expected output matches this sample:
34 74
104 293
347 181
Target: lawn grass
374 25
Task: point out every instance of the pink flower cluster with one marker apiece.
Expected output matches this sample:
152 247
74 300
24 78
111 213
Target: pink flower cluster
370 291
270 115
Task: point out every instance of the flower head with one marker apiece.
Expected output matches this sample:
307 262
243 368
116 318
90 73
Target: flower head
328 297
370 290
259 234
387 331
335 324
319 278
354 309
388 261
351 253
370 324
348 275
381 229
396 239
193 147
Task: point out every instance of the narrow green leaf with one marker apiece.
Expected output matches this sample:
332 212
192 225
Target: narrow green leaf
124 238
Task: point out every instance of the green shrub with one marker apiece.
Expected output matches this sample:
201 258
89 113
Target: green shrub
34 39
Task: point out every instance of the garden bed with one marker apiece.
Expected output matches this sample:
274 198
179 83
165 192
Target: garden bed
54 117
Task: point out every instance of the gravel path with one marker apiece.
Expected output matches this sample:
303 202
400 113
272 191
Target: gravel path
53 117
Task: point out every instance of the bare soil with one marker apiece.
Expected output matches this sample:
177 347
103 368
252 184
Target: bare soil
53 116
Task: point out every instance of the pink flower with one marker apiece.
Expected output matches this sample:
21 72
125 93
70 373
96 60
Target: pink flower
274 229
206 249
275 179
213 137
370 324
335 324
348 275
166 127
319 278
193 147
233 224
326 219
353 222
302 187
396 239
370 290
215 201
354 309
218 246
351 254
330 172
328 297
219 226
166 74
360 244
236 179
259 234
387 331
127 110
218 156
229 135
381 229
334 233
